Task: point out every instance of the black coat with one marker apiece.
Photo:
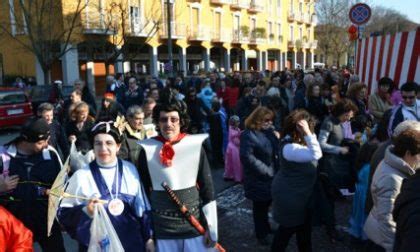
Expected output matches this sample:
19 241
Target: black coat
407 215
258 158
83 141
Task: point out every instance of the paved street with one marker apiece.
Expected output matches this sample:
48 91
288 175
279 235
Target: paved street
236 229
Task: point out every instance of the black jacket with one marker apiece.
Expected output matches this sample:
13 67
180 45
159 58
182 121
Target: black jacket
407 215
258 153
28 202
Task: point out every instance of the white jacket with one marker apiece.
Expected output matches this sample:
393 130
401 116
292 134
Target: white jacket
385 187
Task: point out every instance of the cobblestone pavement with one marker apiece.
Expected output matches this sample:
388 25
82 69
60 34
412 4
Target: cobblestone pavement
236 229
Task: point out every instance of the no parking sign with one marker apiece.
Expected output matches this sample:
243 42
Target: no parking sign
360 13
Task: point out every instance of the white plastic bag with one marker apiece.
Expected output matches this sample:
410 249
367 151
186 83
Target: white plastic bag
78 160
103 237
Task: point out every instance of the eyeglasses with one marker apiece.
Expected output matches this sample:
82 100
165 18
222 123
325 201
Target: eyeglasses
171 119
408 97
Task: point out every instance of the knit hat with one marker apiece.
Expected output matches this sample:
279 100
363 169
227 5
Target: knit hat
34 130
109 96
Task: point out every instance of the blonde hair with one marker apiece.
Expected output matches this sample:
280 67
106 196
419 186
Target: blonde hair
255 120
77 108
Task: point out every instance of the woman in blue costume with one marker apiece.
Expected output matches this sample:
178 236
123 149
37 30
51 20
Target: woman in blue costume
116 181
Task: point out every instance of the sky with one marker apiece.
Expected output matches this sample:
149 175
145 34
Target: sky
410 8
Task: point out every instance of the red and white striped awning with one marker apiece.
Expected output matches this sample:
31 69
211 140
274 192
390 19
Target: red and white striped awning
396 56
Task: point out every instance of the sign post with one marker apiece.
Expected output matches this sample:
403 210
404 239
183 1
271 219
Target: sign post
359 14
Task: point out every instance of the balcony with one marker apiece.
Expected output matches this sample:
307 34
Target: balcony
291 43
137 29
299 17
178 30
240 4
306 45
314 44
256 7
199 33
307 19
221 36
290 16
258 36
221 2
239 37
314 20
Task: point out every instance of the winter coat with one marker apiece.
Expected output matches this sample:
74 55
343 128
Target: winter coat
386 185
257 154
407 215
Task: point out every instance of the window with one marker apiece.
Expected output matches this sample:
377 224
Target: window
300 33
291 35
17 26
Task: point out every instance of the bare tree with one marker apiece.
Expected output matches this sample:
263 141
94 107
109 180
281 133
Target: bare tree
332 29
43 27
121 30
388 21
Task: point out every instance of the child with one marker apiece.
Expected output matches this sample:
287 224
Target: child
358 215
233 167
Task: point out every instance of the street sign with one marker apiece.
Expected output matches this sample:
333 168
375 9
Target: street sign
360 13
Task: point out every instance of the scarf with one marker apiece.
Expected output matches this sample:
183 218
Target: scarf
167 152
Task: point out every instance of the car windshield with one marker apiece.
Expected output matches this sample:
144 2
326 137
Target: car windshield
12 98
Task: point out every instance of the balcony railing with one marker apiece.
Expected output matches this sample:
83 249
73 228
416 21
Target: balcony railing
199 33
314 44
239 38
306 45
222 36
221 1
255 6
299 17
96 25
240 4
178 30
290 43
291 16
307 19
138 29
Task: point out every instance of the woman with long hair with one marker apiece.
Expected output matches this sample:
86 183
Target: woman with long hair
293 185
258 148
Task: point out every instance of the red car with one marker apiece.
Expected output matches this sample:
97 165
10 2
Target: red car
15 107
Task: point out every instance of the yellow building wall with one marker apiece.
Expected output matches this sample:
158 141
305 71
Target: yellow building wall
18 61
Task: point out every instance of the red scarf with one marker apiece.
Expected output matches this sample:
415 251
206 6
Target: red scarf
167 153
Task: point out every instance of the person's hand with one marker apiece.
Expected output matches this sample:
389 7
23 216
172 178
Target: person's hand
150 245
208 241
91 206
8 183
277 134
303 128
344 150
72 138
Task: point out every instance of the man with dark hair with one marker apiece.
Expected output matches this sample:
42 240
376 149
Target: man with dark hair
58 138
410 107
30 160
180 161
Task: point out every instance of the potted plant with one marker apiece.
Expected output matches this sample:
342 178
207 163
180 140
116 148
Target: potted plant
298 44
260 32
244 30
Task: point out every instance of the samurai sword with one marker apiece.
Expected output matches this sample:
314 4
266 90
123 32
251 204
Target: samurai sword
187 214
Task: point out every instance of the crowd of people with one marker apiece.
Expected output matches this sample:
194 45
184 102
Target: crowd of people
297 141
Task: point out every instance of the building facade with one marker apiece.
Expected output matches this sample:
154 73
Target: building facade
132 35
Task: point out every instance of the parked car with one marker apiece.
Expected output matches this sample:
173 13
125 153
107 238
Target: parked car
41 93
15 107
